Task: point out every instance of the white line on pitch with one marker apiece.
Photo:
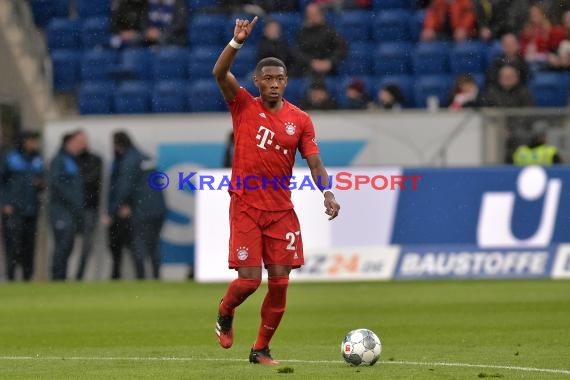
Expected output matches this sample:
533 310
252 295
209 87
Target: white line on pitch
182 359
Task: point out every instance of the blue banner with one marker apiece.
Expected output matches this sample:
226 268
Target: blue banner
502 207
449 261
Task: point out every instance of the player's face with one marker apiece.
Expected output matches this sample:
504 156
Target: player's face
271 82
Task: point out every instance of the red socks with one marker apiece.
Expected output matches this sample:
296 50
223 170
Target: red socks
272 310
237 292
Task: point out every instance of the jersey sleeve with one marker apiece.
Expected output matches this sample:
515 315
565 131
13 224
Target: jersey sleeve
238 104
308 144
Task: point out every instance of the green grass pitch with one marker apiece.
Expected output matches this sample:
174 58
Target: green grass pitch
429 330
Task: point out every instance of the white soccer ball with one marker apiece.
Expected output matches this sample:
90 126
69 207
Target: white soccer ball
361 347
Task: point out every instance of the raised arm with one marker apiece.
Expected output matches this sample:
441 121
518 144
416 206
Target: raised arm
226 80
321 178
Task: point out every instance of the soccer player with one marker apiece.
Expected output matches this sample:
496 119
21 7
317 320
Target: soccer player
264 228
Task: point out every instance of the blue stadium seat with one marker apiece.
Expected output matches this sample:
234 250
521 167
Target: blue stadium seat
204 96
393 58
169 96
208 29
44 11
381 5
392 26
294 90
95 31
245 63
404 82
359 60
468 57
291 23
201 5
550 89
416 24
170 63
432 85
135 64
354 25
98 65
96 98
132 97
93 8
65 64
494 50
201 62
63 34
431 58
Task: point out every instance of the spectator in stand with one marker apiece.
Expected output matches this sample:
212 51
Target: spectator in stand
511 56
539 37
356 96
498 17
319 47
450 19
127 18
318 98
272 44
561 58
464 94
166 22
509 91
389 97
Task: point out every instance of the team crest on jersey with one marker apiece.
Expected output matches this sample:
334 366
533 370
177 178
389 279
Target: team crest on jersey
242 253
290 128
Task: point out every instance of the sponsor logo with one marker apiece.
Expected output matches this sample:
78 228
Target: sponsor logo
473 262
497 209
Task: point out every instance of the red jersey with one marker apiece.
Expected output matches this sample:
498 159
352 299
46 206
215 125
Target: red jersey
265 145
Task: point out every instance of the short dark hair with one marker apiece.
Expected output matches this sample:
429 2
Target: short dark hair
69 136
270 61
122 139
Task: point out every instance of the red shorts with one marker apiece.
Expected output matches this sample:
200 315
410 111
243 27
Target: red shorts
268 237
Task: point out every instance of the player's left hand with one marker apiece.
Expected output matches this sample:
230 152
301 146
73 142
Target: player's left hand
331 205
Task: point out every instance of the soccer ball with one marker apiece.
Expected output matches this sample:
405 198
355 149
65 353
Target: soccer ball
361 346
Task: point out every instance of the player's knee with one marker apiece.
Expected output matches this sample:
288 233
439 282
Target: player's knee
278 283
250 284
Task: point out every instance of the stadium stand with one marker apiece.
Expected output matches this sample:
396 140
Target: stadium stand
383 45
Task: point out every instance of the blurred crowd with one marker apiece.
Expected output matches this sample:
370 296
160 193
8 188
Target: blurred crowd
133 216
534 35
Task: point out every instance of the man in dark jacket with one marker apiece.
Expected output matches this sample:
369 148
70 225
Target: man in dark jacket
22 171
166 22
510 56
90 167
125 172
149 213
66 200
508 91
136 212
319 47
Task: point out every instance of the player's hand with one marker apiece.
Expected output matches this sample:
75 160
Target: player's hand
331 205
243 29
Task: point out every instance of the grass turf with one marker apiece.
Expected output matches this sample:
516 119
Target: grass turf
125 330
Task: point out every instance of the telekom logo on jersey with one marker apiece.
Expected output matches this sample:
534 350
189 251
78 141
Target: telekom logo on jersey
265 137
